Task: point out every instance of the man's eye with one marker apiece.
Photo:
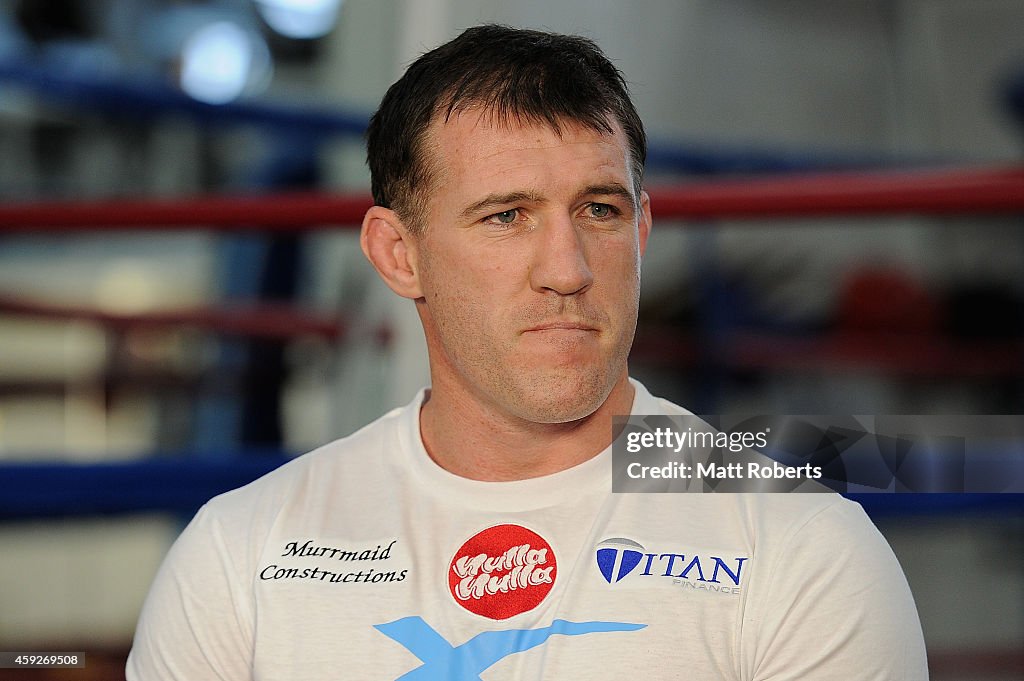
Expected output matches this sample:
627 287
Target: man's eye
505 217
600 210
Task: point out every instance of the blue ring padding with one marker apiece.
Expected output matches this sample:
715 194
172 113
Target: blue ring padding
718 159
879 505
143 99
179 485
136 98
1014 96
182 485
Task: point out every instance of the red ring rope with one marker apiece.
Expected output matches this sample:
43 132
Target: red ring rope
922 192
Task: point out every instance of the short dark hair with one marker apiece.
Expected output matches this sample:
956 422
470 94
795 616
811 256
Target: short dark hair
516 74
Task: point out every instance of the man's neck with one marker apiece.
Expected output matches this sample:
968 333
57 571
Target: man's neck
473 440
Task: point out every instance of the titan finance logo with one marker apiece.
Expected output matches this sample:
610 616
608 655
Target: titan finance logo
619 558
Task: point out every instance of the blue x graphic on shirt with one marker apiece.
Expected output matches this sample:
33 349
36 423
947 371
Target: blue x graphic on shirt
444 662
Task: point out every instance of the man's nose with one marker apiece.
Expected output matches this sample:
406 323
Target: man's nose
560 261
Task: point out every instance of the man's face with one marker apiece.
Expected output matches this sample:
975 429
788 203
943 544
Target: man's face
529 265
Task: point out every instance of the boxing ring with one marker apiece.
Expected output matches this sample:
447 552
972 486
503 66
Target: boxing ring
178 483
949 191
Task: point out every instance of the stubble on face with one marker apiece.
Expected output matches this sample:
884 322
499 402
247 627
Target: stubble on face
547 377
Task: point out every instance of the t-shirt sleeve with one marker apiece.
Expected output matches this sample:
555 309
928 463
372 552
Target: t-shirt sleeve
196 623
837 606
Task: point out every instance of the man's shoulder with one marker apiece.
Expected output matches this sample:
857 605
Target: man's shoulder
338 463
791 509
795 514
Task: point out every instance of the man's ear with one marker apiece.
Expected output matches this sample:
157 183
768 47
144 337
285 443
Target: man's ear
644 221
391 249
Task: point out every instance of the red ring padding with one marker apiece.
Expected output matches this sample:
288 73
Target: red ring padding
948 191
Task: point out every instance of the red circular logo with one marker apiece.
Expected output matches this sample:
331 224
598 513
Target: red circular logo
502 571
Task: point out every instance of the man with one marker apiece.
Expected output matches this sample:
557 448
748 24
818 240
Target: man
472 534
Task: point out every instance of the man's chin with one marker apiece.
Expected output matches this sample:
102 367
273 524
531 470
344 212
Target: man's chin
562 399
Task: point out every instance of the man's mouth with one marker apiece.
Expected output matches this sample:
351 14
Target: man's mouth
561 325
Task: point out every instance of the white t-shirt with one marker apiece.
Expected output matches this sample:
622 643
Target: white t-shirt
365 560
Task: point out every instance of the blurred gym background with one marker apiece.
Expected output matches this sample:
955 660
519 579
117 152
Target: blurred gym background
148 362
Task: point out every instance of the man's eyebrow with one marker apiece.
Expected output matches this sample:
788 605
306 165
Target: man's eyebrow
612 189
494 200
